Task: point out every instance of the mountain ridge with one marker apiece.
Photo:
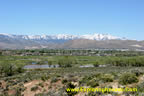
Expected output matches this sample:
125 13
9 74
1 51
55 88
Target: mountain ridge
94 36
8 41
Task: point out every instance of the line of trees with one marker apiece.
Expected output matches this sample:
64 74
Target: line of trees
121 61
74 52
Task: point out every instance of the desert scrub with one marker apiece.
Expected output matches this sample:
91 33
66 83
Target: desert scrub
34 88
41 84
128 78
94 94
137 72
51 93
87 79
64 81
44 77
107 78
84 80
93 83
54 79
18 91
140 87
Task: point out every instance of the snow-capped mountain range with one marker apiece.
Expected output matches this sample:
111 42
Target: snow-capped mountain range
9 41
95 36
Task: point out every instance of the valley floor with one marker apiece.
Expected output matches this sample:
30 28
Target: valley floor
55 81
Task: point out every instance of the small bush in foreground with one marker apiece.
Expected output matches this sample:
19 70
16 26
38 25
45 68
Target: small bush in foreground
34 88
64 81
93 83
107 78
54 79
128 78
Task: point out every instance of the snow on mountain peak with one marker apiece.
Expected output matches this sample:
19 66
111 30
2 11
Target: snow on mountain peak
95 36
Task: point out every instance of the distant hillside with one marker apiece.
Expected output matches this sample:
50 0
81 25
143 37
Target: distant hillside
8 41
117 44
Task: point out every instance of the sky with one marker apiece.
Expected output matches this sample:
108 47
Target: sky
123 18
